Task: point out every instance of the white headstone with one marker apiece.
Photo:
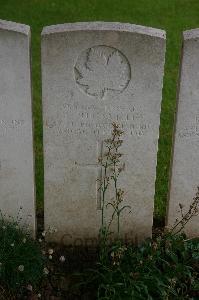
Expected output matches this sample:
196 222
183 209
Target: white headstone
16 137
94 74
185 168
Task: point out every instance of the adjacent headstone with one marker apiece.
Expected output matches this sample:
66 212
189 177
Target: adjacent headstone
185 166
16 136
95 74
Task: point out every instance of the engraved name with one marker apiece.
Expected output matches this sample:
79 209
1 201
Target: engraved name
14 124
8 126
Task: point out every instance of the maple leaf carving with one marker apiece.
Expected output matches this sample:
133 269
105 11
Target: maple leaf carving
101 69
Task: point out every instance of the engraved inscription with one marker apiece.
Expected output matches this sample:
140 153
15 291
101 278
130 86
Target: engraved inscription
11 123
191 130
8 126
98 122
101 69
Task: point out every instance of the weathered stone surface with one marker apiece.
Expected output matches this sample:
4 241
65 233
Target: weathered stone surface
185 165
16 138
94 74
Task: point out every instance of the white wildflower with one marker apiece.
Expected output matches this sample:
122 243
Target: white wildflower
46 272
21 268
62 258
29 287
50 251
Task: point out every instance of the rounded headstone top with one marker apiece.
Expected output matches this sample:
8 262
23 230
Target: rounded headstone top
12 26
106 26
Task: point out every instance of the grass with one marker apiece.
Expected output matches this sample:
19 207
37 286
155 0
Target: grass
174 16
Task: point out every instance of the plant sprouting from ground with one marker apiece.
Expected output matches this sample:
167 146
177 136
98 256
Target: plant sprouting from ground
165 267
186 217
112 167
